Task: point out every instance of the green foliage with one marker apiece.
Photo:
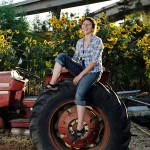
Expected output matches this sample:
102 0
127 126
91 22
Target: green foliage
13 29
7 53
123 53
124 56
126 52
10 20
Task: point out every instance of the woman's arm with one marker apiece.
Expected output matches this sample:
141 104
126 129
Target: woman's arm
98 49
85 71
76 54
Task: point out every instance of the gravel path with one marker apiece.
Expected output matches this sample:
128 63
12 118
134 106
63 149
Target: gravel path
139 141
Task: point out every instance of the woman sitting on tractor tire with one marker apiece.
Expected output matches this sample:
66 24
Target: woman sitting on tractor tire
86 66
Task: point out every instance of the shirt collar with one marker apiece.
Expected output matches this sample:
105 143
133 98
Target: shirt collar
91 39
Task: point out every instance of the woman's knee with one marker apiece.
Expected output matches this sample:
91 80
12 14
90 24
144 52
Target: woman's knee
79 102
61 56
61 59
80 99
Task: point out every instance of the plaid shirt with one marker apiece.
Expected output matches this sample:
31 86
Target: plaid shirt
93 53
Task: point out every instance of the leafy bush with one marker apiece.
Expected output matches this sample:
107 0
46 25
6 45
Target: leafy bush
126 54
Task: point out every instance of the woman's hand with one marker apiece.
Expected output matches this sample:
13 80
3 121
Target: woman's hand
85 71
77 79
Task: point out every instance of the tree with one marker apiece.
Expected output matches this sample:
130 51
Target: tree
13 30
10 20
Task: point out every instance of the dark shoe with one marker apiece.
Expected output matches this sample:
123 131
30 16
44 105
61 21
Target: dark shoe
51 87
77 135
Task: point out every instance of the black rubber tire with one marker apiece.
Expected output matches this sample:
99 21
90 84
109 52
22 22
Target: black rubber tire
101 99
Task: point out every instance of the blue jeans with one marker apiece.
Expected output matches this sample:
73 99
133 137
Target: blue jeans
85 82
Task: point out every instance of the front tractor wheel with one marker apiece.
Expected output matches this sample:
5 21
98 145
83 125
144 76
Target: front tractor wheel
54 118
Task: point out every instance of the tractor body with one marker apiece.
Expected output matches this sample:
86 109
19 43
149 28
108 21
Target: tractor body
15 106
50 116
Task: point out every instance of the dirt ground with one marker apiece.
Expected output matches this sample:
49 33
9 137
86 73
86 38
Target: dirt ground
139 140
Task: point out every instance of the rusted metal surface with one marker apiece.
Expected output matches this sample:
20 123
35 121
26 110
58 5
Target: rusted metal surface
68 120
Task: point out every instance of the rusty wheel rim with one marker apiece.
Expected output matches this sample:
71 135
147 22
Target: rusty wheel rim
63 121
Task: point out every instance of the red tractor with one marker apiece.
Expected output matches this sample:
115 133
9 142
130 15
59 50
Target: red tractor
52 116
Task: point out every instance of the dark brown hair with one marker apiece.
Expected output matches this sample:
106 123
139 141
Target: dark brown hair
94 24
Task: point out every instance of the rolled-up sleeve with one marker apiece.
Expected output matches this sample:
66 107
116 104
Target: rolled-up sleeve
97 51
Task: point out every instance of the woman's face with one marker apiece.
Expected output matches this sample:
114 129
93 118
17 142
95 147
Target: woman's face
87 27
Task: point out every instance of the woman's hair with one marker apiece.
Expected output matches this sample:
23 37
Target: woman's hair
94 24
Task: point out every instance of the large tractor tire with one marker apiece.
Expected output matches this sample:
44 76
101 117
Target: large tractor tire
54 117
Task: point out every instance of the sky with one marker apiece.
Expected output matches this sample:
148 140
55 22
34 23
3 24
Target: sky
78 10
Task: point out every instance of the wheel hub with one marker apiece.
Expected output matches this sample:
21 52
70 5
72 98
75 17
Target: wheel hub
67 124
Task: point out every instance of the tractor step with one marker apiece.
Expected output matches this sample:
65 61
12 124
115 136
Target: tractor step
20 123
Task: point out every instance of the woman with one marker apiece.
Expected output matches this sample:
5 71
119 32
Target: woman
86 66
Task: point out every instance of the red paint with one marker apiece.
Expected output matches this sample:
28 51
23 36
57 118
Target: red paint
14 85
29 101
1 123
12 89
24 123
5 99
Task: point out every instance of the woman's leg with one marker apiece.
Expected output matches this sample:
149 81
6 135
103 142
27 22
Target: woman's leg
56 71
80 99
63 60
81 113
